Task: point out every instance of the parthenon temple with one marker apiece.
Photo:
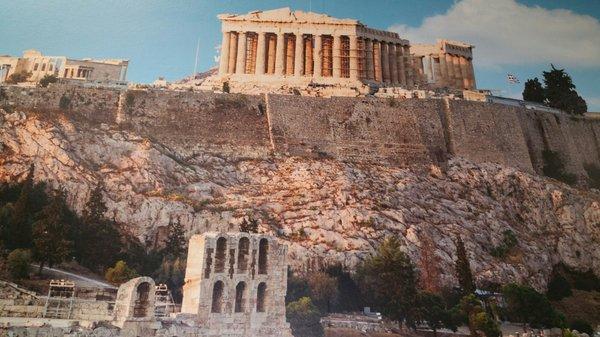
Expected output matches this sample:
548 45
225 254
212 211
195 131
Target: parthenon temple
299 49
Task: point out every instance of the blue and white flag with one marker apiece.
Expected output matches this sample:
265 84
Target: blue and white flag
512 79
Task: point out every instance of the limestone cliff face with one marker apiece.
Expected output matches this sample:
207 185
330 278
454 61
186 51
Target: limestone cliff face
326 210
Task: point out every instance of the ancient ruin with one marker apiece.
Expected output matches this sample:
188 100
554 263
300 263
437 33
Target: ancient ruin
274 48
235 286
444 64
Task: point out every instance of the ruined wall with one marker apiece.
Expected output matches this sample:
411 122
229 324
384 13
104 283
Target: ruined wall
401 131
398 131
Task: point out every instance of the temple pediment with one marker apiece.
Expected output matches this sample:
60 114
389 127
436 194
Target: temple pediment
287 15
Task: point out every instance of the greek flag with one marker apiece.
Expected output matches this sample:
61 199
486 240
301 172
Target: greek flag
512 79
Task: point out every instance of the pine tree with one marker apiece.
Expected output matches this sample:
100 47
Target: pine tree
175 242
560 92
50 243
99 240
463 268
18 228
534 91
389 281
249 225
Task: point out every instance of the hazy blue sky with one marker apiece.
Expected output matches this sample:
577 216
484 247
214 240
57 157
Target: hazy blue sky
159 36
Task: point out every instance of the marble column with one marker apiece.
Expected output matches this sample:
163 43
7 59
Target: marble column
261 50
240 64
336 52
410 81
354 75
393 64
457 72
385 62
272 45
400 62
370 73
378 75
472 75
450 82
290 46
464 73
233 44
443 71
299 58
317 56
280 54
308 55
224 57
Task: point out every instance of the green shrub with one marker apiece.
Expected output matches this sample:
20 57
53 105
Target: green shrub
509 241
18 263
525 305
225 87
129 99
555 168
582 326
120 273
304 318
593 172
18 77
47 79
64 103
558 288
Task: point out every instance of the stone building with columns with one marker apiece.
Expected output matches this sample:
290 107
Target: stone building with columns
446 64
300 49
284 49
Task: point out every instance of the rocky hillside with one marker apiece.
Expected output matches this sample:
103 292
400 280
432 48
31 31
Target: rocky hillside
327 210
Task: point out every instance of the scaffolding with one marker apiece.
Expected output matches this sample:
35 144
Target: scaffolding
59 302
164 304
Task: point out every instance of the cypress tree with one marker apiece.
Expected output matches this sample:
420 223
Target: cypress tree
463 268
18 228
50 243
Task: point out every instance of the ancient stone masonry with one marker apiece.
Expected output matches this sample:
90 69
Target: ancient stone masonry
235 285
397 131
444 64
301 48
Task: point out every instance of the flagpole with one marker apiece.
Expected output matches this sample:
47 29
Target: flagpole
196 58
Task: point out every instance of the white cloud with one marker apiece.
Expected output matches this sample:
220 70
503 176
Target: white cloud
505 32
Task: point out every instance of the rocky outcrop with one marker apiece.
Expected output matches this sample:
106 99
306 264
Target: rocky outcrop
327 210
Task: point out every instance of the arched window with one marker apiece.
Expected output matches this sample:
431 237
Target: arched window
240 292
220 255
217 297
140 306
263 252
261 296
243 251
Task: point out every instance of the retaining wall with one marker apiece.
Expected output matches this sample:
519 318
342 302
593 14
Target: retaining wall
398 131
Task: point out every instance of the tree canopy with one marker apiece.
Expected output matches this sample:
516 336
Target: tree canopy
557 92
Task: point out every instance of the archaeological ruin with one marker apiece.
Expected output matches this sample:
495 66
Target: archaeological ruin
235 286
274 48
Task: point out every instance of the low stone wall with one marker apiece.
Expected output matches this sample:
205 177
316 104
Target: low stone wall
398 131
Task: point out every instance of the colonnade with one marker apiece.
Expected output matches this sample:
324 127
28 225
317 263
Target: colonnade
315 55
448 70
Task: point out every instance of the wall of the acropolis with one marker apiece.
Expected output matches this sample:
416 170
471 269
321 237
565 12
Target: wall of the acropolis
400 131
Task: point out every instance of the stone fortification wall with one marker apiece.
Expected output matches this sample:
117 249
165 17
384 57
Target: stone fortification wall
400 131
99 105
485 132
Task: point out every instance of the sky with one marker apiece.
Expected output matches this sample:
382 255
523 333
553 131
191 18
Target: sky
159 37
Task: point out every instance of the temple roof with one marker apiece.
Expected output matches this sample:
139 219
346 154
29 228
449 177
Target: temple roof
285 14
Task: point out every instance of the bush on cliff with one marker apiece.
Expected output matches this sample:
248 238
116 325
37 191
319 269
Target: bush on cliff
593 172
509 241
555 168
47 79
18 263
18 77
525 305
304 318
120 273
